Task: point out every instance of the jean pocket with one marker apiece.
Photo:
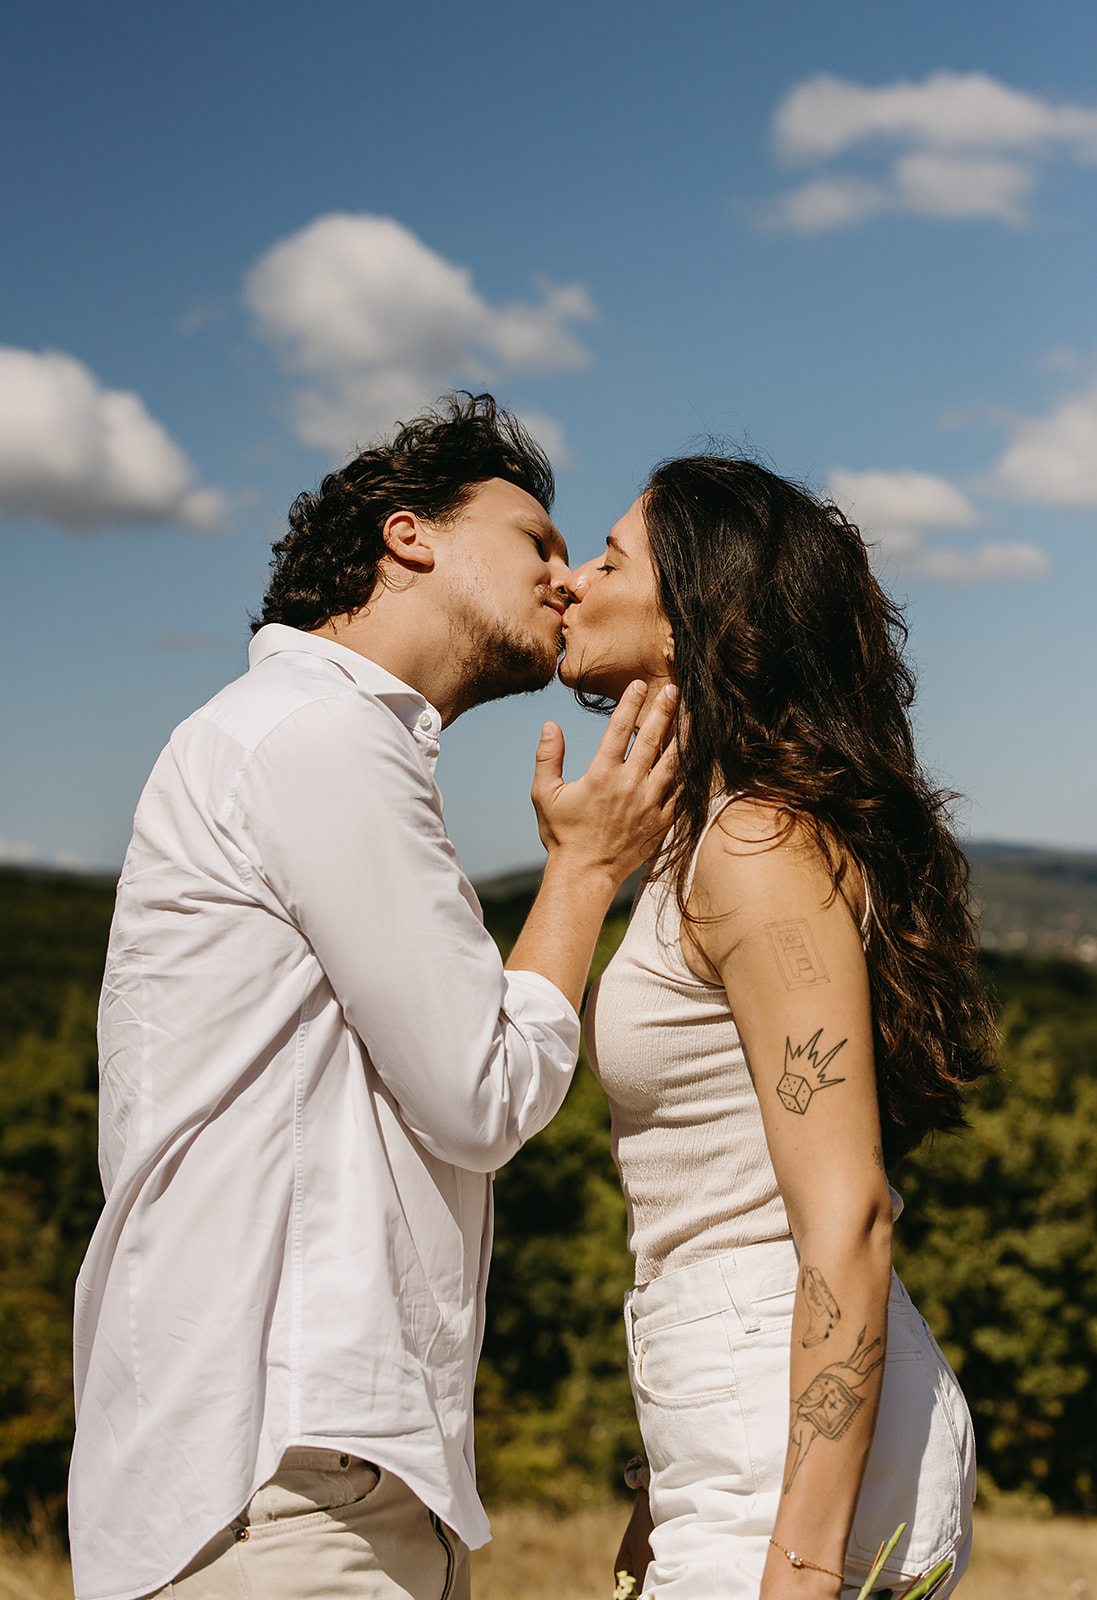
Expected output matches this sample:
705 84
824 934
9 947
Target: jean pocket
686 1364
917 1470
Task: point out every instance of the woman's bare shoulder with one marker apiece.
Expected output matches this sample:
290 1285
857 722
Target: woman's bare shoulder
747 826
756 849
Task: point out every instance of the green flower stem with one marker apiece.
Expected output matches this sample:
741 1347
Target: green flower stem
881 1557
928 1583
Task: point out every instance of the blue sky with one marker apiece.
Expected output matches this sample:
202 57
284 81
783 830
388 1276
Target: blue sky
859 240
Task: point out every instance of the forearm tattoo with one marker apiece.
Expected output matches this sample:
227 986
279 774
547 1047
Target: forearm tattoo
796 954
830 1402
797 1087
823 1313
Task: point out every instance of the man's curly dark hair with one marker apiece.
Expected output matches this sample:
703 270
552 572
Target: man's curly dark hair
327 565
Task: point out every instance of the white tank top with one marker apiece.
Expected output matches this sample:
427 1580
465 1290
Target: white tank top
687 1130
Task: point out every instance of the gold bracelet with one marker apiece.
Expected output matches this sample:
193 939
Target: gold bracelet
802 1561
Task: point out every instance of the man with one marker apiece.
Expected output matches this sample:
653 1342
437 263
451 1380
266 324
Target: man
312 1058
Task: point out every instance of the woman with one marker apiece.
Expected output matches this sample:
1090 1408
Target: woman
794 1002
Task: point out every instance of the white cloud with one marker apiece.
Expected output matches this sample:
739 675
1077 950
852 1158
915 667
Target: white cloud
549 435
83 456
902 499
25 855
994 559
377 323
1053 459
829 203
969 146
936 185
953 110
12 852
895 510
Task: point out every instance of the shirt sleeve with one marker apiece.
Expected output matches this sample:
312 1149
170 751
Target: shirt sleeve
344 823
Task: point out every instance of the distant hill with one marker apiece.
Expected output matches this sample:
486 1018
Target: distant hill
53 925
53 936
1035 900
1031 900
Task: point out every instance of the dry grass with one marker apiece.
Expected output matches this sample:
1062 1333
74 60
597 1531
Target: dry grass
534 1557
35 1574
1015 1559
537 1557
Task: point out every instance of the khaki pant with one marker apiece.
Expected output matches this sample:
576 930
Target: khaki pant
329 1527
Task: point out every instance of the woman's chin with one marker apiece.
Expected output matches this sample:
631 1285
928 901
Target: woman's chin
574 674
589 680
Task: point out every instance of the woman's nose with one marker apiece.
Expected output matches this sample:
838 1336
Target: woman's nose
578 583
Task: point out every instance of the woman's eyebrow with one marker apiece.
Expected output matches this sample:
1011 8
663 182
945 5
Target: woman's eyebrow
611 544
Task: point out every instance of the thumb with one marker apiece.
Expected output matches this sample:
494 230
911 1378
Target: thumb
548 772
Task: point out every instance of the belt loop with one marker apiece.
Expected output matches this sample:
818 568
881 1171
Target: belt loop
737 1293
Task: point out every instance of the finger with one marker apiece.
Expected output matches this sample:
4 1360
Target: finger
548 768
622 724
663 779
653 729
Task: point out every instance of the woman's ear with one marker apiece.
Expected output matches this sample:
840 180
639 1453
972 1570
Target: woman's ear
409 540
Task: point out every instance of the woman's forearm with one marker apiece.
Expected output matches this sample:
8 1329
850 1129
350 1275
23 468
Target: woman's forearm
839 1342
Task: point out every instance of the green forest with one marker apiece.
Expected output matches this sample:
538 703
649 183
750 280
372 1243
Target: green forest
998 1242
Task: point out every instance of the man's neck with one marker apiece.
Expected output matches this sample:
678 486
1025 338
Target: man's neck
418 657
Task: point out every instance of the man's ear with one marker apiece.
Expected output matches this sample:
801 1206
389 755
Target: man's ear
410 540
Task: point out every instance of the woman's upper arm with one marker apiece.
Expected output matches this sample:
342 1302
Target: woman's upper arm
788 950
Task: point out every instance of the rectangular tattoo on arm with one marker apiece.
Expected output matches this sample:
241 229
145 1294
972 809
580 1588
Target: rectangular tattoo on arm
796 954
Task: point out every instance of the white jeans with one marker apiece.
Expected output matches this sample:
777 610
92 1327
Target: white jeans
329 1527
709 1349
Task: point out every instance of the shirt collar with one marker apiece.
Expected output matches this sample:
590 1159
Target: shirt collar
413 709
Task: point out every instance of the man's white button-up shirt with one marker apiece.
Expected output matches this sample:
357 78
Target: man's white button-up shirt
311 1062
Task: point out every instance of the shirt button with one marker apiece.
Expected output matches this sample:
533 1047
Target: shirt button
344 1462
424 721
241 1535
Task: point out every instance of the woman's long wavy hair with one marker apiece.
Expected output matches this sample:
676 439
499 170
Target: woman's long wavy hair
793 690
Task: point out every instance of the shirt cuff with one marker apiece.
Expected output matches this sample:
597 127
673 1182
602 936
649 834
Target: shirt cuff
531 999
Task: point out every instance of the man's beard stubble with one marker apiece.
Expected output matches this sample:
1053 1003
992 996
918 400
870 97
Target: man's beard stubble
499 661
